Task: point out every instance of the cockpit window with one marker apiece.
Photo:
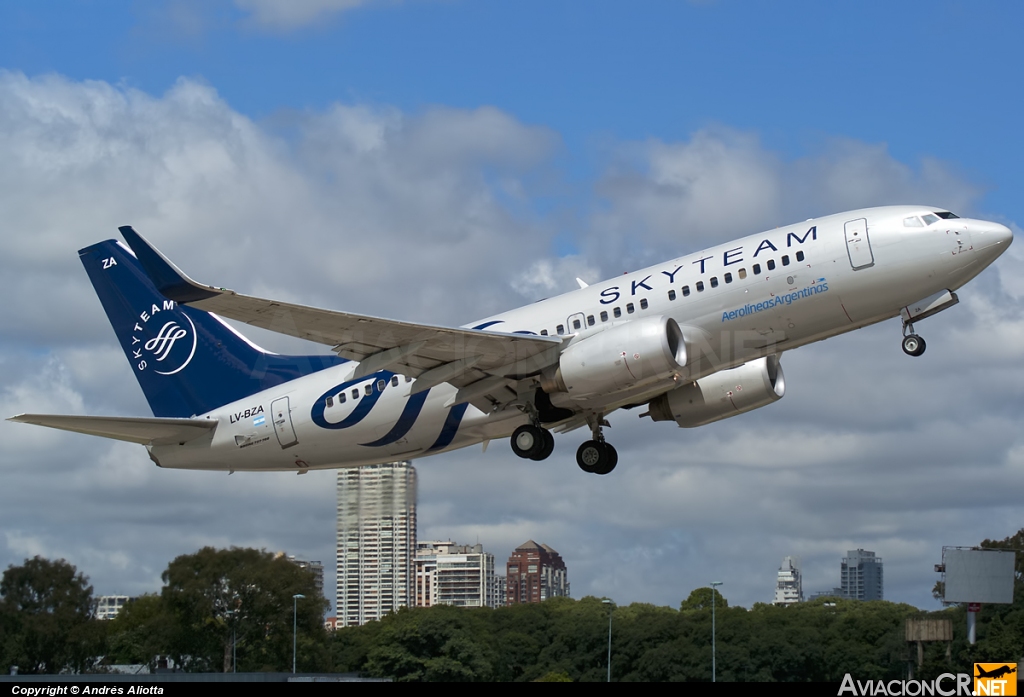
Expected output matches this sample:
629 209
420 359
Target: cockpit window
929 218
946 215
912 221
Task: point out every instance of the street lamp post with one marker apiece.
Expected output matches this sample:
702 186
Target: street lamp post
234 642
610 609
295 626
714 585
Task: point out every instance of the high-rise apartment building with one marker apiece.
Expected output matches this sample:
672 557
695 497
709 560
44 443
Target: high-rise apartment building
789 585
451 574
860 575
534 574
376 541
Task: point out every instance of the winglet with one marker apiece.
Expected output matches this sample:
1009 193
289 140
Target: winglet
168 278
583 284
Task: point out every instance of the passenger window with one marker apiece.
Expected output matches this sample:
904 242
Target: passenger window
394 381
771 264
742 273
643 303
785 260
355 393
686 291
799 256
604 316
543 332
671 295
714 281
700 286
560 329
330 402
590 320
368 389
728 278
629 308
756 269
576 324
342 397
616 312
408 379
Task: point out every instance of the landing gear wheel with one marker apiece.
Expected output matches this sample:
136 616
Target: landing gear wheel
548 446
612 459
596 457
913 345
528 441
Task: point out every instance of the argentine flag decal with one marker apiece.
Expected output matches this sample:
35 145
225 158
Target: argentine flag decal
259 420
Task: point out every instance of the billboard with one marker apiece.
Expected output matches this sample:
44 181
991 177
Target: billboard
978 575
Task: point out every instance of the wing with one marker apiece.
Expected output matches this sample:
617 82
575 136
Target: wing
134 430
481 364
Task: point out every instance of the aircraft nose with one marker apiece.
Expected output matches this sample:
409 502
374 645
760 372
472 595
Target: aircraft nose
991 237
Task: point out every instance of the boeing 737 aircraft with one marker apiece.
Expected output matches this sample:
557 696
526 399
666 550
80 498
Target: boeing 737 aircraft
694 340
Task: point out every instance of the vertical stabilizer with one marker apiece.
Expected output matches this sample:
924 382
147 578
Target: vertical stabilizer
187 361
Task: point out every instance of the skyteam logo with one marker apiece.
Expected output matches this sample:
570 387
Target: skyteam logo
173 345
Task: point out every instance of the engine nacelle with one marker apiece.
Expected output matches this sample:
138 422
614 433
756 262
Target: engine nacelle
621 357
722 394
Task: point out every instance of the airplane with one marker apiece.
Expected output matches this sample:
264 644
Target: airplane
995 672
693 340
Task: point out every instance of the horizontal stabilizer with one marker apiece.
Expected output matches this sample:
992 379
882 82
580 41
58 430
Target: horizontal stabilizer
145 431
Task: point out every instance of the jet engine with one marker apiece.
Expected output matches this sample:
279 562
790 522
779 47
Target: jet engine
621 357
722 394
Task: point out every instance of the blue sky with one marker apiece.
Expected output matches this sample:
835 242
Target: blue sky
486 154
928 79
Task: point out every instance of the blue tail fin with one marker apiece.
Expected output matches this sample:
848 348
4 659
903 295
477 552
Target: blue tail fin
187 361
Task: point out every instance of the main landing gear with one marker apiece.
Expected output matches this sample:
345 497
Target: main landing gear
913 345
532 442
596 455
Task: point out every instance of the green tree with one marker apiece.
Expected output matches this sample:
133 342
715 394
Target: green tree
700 599
243 596
437 644
46 618
143 630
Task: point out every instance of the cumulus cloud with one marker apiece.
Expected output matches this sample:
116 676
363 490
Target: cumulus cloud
666 199
432 216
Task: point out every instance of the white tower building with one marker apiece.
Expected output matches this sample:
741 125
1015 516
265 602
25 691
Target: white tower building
789 585
376 541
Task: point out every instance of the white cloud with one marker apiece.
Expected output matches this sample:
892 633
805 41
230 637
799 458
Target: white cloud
291 14
667 199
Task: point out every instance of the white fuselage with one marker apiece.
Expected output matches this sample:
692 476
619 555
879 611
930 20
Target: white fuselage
735 302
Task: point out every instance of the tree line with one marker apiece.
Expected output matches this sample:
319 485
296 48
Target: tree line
225 609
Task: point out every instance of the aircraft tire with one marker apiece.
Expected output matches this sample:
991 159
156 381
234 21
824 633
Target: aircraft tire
611 457
589 456
913 345
549 446
528 441
596 457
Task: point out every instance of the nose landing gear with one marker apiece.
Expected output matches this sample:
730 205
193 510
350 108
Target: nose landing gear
913 345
